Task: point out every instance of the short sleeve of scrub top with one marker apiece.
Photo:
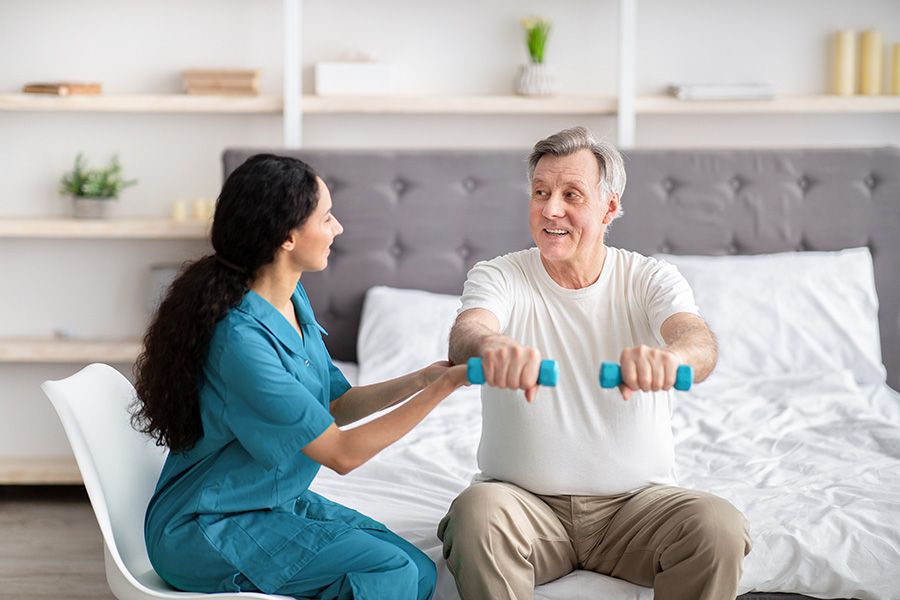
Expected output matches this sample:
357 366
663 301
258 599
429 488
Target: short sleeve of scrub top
271 413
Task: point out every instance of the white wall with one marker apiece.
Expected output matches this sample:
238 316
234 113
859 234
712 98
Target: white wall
96 288
441 47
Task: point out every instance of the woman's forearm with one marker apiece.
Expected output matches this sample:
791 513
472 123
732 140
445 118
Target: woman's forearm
345 450
361 401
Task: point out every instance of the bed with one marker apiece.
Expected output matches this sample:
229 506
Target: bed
794 256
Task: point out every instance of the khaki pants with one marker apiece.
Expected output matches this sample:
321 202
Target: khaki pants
500 541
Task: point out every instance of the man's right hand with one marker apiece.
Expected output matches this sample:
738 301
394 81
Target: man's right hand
505 363
509 365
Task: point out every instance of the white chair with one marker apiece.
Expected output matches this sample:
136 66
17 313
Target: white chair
119 467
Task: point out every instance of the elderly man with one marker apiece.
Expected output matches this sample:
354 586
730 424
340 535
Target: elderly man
575 476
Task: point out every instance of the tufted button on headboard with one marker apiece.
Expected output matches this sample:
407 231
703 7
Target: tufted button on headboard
421 219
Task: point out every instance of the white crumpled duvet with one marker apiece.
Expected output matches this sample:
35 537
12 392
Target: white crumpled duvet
812 460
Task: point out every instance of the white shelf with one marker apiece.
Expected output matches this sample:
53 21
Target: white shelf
449 105
134 228
51 350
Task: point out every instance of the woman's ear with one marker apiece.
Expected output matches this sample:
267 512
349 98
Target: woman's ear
612 208
290 242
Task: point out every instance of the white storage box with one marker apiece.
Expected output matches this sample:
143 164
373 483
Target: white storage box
346 78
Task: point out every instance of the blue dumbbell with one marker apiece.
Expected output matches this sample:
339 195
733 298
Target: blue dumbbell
548 375
611 376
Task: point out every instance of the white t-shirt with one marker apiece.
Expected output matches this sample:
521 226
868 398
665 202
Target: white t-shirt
577 438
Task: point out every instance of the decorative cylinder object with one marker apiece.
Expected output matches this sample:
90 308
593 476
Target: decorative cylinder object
179 211
845 62
870 64
199 209
895 71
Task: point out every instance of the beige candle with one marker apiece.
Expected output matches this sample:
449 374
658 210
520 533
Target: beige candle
895 71
179 211
870 64
210 208
198 209
845 62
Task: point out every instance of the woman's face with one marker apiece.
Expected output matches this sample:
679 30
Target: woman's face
313 239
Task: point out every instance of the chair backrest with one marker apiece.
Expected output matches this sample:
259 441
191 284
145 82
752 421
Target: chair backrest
119 466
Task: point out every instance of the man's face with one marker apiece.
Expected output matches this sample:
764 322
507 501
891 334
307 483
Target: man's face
569 212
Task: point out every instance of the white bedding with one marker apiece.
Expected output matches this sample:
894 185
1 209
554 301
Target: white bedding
811 456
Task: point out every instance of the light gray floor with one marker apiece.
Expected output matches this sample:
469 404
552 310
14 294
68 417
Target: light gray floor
50 546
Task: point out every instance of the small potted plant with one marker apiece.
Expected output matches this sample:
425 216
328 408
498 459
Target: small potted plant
536 78
93 190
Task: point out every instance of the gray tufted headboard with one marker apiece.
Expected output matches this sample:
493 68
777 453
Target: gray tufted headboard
421 219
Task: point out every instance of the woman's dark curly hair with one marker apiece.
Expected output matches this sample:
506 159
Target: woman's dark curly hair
260 203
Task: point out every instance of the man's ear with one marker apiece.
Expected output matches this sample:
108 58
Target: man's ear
612 208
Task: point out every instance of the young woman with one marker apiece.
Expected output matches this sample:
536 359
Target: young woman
235 380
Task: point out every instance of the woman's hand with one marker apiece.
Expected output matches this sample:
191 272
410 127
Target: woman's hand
457 375
431 373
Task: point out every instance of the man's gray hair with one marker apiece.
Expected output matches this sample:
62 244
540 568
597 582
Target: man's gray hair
569 141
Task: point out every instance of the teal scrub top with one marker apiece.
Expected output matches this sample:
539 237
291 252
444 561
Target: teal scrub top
239 500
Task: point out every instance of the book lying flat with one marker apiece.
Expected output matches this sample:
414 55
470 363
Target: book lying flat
62 88
221 81
723 91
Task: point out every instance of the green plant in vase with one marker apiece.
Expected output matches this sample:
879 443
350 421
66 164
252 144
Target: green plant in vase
537 30
93 189
536 78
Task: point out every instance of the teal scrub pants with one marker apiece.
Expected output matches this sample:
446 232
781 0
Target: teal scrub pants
362 564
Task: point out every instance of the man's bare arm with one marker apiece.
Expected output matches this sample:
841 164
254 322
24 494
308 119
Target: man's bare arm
469 332
691 338
688 341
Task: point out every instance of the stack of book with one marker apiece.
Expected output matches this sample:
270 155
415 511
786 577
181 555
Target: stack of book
724 91
62 88
229 82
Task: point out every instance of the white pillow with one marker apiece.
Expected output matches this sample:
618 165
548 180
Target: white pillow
792 312
401 331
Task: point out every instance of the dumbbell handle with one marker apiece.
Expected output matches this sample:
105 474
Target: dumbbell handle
548 375
611 376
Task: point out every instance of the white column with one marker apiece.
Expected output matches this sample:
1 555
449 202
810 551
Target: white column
626 120
293 85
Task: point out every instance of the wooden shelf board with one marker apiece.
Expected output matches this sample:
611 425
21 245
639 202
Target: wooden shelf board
52 350
312 104
435 105
43 470
668 105
131 228
462 105
146 103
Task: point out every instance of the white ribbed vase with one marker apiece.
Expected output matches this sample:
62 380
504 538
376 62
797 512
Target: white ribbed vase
535 79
